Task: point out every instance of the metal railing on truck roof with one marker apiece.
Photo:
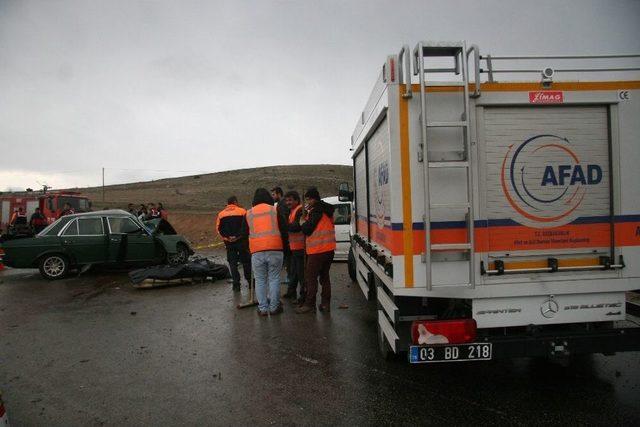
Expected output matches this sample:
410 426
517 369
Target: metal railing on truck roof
484 64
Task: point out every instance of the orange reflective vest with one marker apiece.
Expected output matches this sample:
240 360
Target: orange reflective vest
264 234
296 240
323 238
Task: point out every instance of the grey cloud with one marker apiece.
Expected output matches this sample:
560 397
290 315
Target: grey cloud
221 85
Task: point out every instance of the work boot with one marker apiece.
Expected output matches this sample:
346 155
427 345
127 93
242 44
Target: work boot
324 308
236 287
263 313
277 311
305 309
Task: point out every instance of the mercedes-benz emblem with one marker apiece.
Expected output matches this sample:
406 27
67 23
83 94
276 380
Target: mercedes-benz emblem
549 308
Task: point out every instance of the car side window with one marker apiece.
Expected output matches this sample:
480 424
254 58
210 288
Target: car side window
72 229
90 227
123 226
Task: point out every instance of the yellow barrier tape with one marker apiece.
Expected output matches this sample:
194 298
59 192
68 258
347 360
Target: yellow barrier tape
209 246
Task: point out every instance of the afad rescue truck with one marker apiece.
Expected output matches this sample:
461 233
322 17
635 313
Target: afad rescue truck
498 219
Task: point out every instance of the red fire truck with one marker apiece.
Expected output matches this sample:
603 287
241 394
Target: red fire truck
50 203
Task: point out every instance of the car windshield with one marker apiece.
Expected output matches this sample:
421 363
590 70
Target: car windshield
342 214
78 204
159 226
54 228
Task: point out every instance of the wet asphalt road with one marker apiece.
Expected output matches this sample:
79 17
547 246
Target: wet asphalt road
93 350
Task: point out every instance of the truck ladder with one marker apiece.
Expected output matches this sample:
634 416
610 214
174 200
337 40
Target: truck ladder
456 51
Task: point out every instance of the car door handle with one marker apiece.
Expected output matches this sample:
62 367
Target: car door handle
115 240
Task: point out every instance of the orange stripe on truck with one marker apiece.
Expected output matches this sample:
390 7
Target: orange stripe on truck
512 238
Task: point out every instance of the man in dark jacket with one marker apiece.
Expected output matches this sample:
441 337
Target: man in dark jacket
296 248
320 245
229 224
38 222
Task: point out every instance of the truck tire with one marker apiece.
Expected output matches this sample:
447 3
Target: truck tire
351 265
54 266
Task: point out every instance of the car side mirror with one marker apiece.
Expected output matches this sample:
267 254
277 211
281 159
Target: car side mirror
344 192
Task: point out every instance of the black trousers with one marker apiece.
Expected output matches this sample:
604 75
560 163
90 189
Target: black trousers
296 272
239 253
317 268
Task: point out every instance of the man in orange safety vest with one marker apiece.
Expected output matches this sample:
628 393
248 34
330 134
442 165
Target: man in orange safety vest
320 245
265 231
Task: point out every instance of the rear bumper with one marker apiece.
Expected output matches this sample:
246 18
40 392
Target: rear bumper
559 344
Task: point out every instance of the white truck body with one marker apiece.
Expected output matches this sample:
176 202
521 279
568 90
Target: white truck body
520 198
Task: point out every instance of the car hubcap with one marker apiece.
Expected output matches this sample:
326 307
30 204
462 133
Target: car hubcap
54 266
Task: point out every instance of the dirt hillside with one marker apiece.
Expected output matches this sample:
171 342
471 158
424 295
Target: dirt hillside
193 201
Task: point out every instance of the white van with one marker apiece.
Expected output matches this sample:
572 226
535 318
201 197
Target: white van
342 221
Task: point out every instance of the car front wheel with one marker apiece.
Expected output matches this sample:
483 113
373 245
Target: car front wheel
54 266
180 257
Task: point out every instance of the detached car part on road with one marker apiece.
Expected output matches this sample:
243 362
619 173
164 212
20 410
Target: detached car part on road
110 237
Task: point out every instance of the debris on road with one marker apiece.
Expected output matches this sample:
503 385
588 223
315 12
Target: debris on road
198 269
308 359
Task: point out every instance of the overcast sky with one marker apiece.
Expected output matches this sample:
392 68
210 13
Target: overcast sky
155 89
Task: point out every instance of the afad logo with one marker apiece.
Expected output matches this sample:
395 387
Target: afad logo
381 180
545 182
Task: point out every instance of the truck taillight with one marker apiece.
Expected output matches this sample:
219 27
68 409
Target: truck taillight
443 331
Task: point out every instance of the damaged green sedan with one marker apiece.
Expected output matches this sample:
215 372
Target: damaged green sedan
110 237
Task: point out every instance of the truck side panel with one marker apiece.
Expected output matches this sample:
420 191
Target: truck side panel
378 186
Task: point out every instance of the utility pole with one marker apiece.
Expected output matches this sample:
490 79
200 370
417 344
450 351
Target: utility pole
103 186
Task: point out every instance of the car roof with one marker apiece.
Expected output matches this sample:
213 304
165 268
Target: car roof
333 200
108 212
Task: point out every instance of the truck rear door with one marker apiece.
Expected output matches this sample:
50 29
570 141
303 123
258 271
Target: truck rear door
547 181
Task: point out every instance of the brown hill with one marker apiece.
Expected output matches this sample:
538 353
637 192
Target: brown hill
193 201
